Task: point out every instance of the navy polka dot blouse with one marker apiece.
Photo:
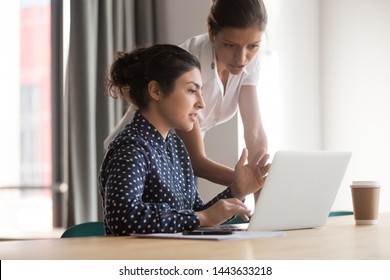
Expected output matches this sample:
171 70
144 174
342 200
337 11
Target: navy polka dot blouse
147 183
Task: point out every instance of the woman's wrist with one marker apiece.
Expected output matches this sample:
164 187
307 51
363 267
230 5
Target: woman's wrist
236 192
201 217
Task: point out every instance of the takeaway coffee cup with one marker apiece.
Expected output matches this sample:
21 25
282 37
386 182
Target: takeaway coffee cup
365 199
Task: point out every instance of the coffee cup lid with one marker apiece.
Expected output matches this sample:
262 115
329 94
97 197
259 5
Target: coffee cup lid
365 184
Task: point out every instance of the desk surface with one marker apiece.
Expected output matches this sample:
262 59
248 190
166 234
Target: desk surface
339 238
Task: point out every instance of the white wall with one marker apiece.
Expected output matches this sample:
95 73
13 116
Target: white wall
356 89
334 69
293 35
181 19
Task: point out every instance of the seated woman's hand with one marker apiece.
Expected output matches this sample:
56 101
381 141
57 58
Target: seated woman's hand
250 177
223 210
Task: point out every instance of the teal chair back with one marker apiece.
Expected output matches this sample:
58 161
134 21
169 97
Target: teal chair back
237 220
85 229
340 213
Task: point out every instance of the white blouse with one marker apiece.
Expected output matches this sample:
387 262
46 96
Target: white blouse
219 108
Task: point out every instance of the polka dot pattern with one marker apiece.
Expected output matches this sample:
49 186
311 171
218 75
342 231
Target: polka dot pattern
147 183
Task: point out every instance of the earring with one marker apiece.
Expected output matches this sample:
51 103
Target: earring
212 57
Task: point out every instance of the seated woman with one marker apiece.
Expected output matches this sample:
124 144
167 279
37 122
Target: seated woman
146 180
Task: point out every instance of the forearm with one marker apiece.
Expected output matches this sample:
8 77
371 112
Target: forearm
255 141
222 208
254 134
148 218
212 171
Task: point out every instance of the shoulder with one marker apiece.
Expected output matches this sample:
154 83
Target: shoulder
129 144
197 45
201 47
127 157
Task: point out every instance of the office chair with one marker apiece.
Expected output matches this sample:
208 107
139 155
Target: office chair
85 229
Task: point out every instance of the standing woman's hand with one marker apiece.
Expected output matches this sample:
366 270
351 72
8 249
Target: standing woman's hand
250 177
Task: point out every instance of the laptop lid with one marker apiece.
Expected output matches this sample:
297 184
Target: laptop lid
300 189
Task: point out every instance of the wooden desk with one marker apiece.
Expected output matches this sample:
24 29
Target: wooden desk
338 239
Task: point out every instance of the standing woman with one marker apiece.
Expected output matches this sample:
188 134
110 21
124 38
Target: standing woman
230 63
146 179
229 56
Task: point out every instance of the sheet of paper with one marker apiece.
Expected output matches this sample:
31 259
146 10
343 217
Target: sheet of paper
236 235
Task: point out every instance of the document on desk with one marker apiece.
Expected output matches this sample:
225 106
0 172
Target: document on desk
236 235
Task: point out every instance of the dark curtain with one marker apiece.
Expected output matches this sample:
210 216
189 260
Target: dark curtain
97 30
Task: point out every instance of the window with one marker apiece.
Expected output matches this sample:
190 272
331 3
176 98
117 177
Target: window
26 118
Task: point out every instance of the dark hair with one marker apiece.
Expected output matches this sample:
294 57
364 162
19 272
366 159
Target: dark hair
131 72
236 14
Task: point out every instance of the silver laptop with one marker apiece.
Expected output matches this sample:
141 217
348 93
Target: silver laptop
299 191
